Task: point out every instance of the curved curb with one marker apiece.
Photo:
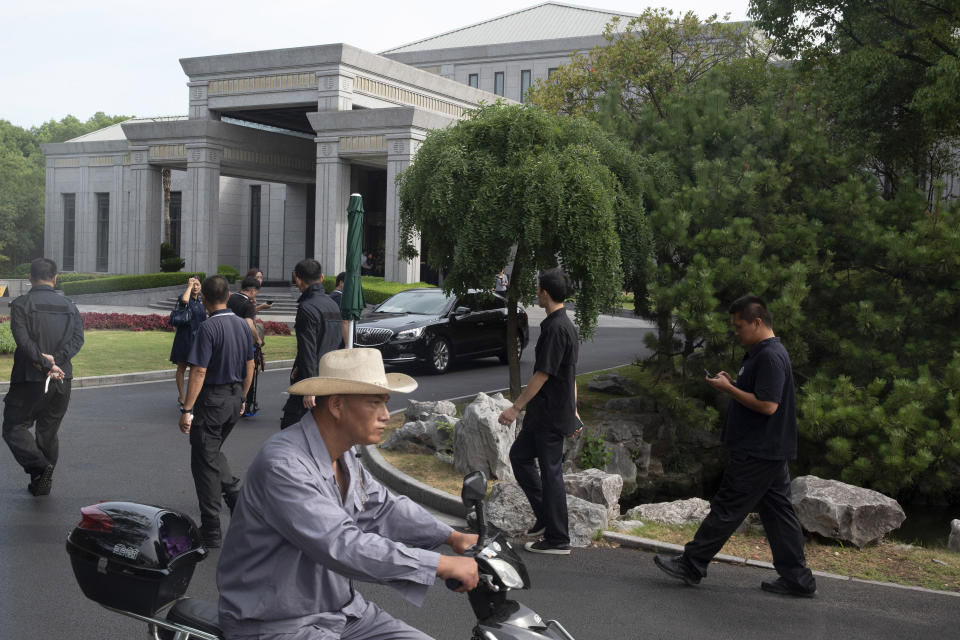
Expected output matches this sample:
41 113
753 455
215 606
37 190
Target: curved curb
142 376
646 544
403 484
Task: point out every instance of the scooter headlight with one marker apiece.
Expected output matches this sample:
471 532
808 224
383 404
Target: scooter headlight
507 574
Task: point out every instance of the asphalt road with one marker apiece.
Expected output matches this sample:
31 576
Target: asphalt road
123 443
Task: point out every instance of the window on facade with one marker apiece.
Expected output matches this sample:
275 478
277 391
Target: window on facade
255 226
176 215
69 230
551 71
524 84
498 83
474 80
103 231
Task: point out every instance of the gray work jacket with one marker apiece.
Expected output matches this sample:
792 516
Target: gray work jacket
293 547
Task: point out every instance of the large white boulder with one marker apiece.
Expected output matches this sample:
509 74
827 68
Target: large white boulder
678 512
953 543
598 487
480 442
843 511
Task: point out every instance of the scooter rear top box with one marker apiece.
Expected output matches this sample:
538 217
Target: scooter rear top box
134 557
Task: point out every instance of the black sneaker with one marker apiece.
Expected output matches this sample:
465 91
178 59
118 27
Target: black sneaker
542 546
536 530
783 588
41 483
675 567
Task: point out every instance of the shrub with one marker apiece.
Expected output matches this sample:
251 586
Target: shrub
7 345
170 262
128 283
22 270
272 328
228 272
153 322
595 454
375 290
75 277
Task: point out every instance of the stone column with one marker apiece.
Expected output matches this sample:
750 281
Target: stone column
400 152
198 102
53 217
201 209
141 219
334 91
333 195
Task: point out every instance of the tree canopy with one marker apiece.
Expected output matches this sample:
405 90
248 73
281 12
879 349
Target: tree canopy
516 184
647 58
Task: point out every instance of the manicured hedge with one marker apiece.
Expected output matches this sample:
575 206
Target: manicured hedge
128 283
155 322
228 272
63 278
375 290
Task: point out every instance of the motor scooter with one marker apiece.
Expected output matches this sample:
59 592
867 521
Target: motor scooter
501 570
137 560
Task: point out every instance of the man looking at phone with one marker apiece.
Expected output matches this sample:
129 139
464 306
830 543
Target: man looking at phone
761 434
550 398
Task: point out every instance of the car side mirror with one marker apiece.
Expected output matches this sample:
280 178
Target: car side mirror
461 311
474 489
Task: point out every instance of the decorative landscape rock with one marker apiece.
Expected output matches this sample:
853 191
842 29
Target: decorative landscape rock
423 410
690 511
838 510
413 437
614 384
480 442
953 543
508 509
598 487
624 526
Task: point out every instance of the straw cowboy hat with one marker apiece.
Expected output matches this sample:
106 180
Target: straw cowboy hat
353 371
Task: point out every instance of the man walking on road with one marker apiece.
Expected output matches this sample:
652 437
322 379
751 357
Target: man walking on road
551 401
48 331
318 328
761 434
220 375
243 306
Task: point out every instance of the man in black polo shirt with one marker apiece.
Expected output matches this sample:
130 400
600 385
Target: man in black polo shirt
242 305
761 434
550 398
318 329
221 370
48 331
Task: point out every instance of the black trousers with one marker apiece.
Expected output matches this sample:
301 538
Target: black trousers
293 410
26 404
215 413
750 483
544 489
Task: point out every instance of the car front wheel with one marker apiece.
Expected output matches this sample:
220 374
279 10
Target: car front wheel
440 355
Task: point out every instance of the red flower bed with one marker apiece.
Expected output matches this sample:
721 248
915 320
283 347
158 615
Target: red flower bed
155 322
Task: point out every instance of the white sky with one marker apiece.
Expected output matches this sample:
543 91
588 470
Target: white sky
60 57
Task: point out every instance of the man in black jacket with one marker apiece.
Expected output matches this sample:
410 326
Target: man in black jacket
318 328
48 331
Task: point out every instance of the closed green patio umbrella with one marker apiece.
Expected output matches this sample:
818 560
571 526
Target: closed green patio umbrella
351 304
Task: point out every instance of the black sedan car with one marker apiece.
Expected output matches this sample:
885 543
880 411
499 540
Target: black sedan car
431 327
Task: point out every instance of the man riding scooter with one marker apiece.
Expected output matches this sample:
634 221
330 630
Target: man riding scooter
310 520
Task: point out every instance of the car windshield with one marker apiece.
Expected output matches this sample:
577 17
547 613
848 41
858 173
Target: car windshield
430 303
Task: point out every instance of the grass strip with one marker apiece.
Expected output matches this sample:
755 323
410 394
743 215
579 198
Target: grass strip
110 352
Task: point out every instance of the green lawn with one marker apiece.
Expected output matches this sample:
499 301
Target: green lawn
111 352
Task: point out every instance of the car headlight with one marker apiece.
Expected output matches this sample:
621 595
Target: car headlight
409 334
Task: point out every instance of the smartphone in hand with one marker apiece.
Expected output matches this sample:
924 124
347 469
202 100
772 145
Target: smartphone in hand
709 375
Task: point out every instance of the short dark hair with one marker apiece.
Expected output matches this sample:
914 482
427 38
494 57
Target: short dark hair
252 272
43 269
308 270
556 283
215 290
340 278
750 308
250 282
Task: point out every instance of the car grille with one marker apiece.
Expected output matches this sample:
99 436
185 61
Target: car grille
372 337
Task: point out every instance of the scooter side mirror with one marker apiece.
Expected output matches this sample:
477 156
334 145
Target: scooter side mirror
474 489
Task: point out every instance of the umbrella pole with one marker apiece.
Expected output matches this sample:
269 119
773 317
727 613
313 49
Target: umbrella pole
350 336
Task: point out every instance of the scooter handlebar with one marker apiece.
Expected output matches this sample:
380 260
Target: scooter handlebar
453 584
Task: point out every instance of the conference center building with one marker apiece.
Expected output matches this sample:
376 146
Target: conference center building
259 171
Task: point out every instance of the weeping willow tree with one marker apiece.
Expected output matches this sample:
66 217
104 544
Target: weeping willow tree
514 183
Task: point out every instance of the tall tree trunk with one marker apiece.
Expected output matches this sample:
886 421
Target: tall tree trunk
512 360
